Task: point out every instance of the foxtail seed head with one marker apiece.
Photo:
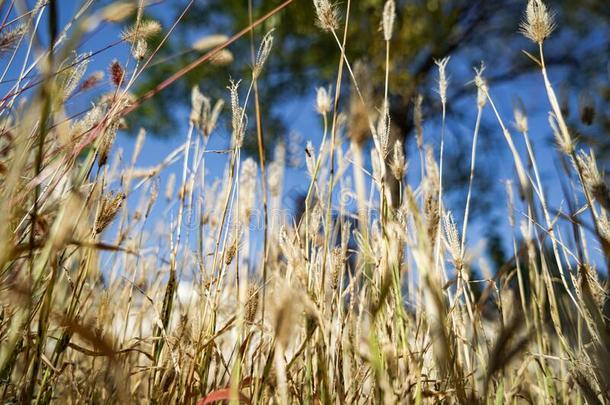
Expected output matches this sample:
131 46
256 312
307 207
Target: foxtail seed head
323 103
389 15
326 15
263 54
443 82
538 22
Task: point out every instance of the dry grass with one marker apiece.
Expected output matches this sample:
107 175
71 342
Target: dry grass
95 308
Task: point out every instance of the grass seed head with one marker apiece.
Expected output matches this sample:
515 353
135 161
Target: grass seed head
118 11
327 15
538 22
418 121
10 37
286 316
387 22
382 133
275 178
141 31
110 205
70 77
589 281
593 179
231 252
238 117
91 81
431 187
203 116
399 163
323 102
251 304
139 50
378 167
564 142
154 193
199 102
209 42
453 240
263 54
117 73
520 116
222 58
107 140
212 119
443 82
359 115
139 144
481 84
338 263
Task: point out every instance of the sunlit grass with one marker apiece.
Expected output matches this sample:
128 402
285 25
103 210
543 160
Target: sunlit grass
374 305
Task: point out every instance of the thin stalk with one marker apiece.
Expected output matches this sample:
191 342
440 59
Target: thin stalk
46 115
312 185
358 170
473 156
333 140
172 282
567 140
261 157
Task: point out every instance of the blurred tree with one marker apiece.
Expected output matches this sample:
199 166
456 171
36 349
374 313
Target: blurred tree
425 30
304 57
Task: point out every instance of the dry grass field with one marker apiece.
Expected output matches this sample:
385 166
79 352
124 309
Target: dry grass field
374 305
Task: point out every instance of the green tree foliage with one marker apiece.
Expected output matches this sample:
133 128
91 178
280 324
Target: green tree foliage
305 57
425 30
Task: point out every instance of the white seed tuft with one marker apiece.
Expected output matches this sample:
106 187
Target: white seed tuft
209 42
323 102
481 84
389 15
520 116
443 82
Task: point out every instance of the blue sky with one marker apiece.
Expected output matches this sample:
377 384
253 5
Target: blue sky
301 115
